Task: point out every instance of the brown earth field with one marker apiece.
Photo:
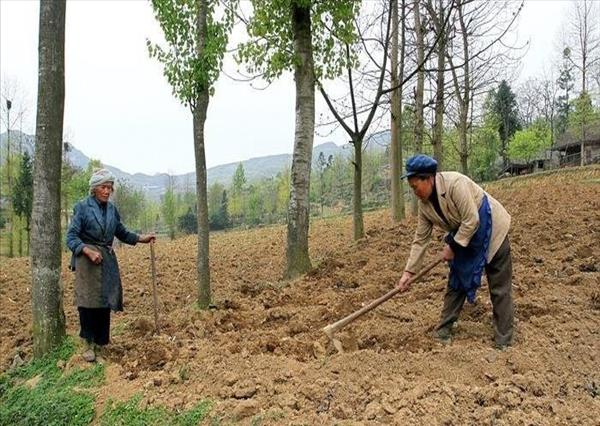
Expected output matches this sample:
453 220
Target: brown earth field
261 355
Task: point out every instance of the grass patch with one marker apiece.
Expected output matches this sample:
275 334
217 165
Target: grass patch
40 393
119 328
129 413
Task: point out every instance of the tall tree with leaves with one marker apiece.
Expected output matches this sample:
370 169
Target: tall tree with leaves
294 35
526 144
169 207
192 60
583 115
22 197
565 83
238 192
322 166
505 108
46 289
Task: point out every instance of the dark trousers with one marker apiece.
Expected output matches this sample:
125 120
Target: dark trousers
95 325
499 275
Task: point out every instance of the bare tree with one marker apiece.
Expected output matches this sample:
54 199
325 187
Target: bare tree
355 131
47 293
366 91
13 108
585 38
529 99
479 58
437 11
397 71
548 92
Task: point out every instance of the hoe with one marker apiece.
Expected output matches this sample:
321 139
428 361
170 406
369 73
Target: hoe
336 326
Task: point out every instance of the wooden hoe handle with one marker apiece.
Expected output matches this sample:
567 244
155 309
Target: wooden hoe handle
332 328
154 296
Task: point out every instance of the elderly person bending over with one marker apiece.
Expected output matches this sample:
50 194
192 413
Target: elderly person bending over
477 240
95 223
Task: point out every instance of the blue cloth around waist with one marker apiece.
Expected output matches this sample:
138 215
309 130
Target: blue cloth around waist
469 262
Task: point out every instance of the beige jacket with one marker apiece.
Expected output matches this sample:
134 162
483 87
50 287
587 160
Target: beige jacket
460 199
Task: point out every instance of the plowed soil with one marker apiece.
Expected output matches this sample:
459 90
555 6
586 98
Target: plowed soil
261 352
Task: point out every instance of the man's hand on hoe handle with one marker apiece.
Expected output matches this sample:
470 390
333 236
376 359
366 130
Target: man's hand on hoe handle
404 283
407 277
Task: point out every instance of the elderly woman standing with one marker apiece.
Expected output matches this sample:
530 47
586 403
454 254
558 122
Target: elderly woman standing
98 289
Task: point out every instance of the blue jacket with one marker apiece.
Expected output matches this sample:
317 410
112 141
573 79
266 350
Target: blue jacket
97 285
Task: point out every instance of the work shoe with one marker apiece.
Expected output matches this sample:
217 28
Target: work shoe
502 346
88 354
99 352
443 334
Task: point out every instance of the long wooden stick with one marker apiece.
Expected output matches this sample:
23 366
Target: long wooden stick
336 326
154 296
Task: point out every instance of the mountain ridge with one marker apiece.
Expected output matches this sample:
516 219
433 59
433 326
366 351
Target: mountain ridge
154 186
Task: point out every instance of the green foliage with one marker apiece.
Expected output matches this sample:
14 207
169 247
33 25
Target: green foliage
565 82
131 204
75 182
282 189
218 207
270 50
58 398
129 413
149 217
505 109
319 171
22 196
526 144
169 208
584 114
189 66
255 207
238 192
188 223
484 153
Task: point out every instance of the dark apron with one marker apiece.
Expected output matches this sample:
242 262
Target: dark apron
98 286
469 262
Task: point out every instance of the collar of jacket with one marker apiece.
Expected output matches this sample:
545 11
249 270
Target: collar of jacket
95 206
440 185
441 189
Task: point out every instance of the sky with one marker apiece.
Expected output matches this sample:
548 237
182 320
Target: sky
119 108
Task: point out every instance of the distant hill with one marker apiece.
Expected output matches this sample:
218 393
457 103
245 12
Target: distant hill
154 185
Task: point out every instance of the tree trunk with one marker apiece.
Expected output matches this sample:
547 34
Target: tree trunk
582 161
438 127
204 296
48 315
11 216
463 142
398 212
419 93
199 118
357 212
298 260
464 102
20 236
28 230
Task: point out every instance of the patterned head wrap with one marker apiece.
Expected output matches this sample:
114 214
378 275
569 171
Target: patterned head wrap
99 177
